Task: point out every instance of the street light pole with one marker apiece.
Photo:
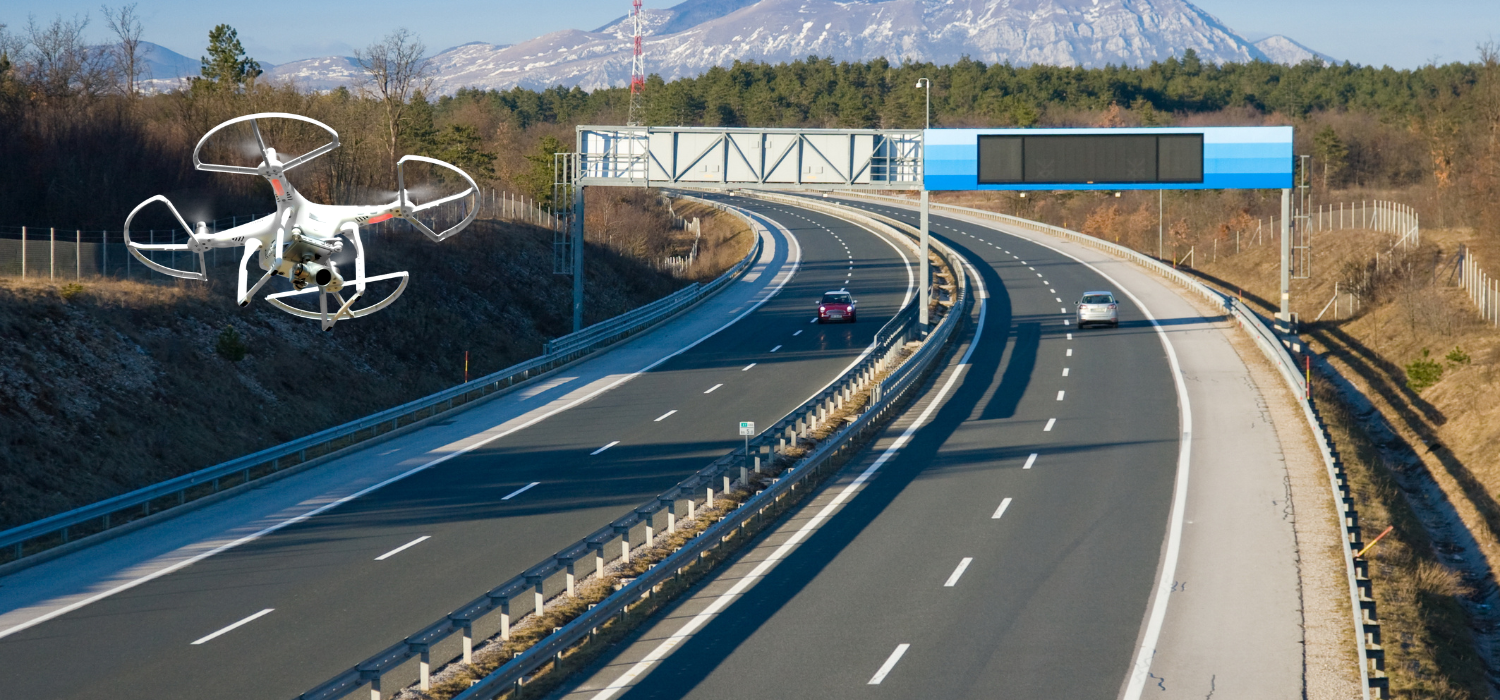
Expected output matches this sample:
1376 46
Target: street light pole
925 83
925 284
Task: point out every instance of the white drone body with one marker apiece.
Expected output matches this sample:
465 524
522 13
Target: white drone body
299 240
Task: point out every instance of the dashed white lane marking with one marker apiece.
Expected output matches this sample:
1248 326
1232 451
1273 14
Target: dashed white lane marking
1001 510
612 444
1070 350
668 413
1050 422
1031 268
962 566
1054 291
815 320
747 367
1059 299
798 332
529 486
807 528
889 664
1060 395
1065 371
245 621
711 389
1029 461
1064 310
1070 337
778 347
419 540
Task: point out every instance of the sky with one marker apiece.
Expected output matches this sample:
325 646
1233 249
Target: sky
1399 33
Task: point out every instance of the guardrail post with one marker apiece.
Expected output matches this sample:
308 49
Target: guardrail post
540 599
650 527
726 484
424 665
374 678
504 618
671 507
468 641
710 501
624 532
567 561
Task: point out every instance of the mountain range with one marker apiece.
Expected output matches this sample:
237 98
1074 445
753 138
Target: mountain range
693 36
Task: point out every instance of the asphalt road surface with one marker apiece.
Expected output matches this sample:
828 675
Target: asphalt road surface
274 617
1007 551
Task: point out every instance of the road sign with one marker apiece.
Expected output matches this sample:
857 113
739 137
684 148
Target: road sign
747 428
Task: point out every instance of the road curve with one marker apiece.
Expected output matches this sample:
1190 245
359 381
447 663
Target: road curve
1008 550
275 616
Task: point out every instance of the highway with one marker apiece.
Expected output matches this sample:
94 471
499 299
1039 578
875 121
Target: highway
1009 549
277 615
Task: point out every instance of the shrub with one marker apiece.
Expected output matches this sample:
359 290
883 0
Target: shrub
1423 372
231 347
1458 357
70 290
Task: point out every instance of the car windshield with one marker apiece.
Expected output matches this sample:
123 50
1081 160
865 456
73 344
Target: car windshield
1098 299
836 298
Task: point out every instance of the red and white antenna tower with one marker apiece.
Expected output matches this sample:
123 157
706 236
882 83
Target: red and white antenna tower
637 68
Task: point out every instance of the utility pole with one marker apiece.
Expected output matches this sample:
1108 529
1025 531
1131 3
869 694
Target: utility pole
925 284
1160 208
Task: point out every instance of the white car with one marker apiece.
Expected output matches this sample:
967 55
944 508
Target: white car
1097 307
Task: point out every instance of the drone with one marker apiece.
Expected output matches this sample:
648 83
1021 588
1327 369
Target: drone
300 240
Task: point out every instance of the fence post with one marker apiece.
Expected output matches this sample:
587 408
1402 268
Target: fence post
78 253
23 252
104 252
52 255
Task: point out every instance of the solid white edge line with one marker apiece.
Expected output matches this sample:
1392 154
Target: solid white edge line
1050 422
963 565
724 599
889 664
232 627
794 260
612 444
1030 461
520 491
1001 510
664 416
1141 669
415 542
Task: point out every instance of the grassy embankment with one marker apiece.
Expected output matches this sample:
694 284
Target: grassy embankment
107 386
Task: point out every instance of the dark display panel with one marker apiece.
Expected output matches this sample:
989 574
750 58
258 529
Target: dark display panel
1068 159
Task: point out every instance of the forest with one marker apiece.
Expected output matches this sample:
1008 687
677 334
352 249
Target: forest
85 142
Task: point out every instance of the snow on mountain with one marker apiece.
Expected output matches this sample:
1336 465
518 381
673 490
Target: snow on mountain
326 73
696 35
1279 49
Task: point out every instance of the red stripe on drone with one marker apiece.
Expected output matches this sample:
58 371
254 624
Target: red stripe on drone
276 185
380 218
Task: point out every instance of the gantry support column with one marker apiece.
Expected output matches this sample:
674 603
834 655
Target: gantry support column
577 257
1285 314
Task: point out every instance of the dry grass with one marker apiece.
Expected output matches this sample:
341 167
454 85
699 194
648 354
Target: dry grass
108 386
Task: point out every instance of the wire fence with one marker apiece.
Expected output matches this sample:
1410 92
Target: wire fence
57 254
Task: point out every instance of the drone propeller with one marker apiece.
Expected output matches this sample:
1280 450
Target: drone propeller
261 142
411 210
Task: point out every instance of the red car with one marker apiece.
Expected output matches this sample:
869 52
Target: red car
836 306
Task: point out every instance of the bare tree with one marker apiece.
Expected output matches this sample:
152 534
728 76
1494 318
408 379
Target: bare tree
395 70
59 62
128 62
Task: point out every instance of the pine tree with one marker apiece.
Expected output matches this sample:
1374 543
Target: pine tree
226 64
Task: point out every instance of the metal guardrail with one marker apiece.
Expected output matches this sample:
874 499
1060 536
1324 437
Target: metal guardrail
37 537
1279 349
528 592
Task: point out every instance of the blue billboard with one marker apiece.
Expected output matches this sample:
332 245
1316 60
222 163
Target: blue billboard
1145 158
